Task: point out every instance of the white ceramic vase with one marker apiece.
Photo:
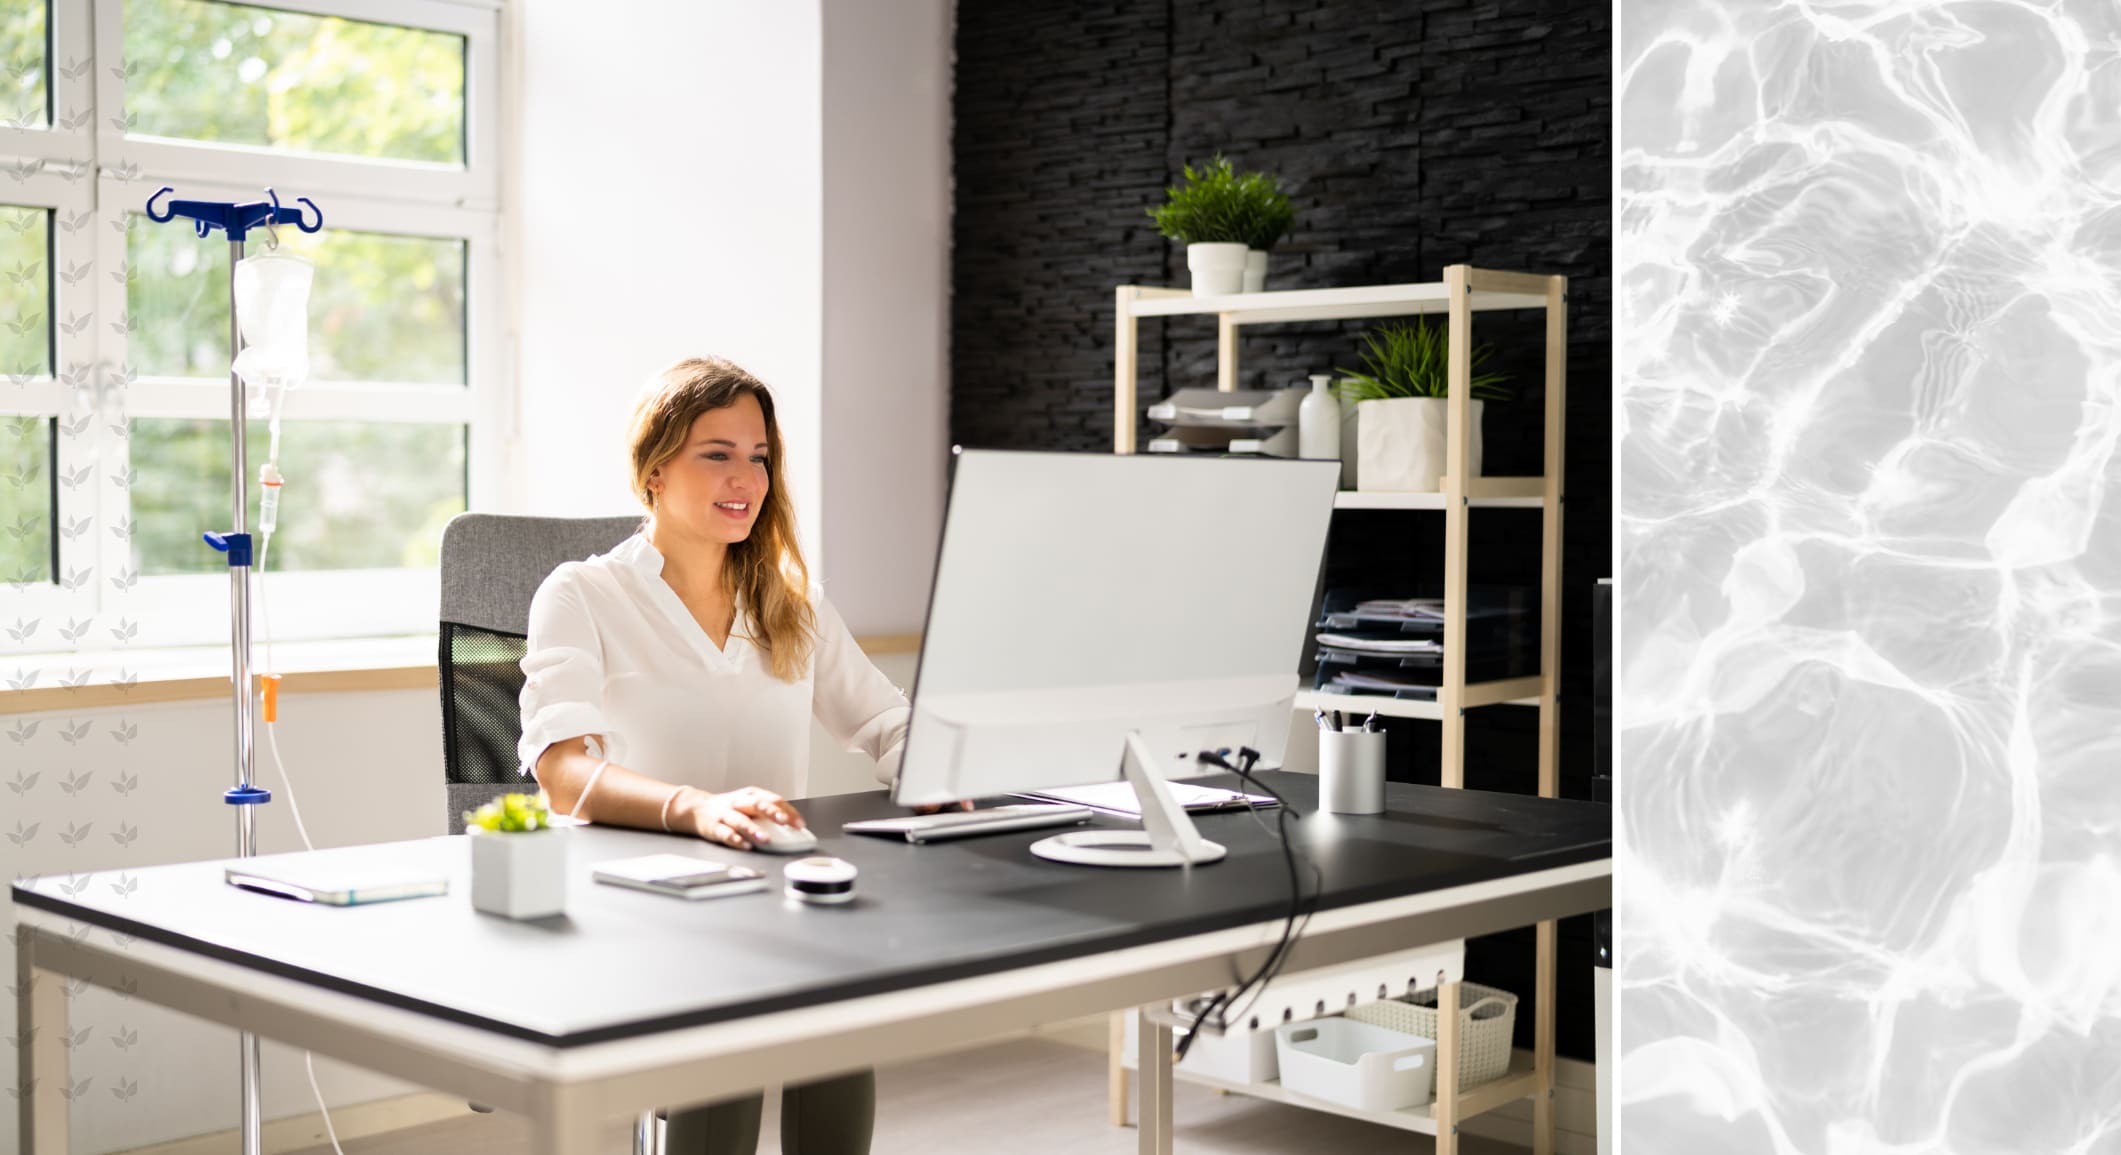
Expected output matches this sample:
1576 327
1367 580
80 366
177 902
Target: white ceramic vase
1402 444
1255 270
1218 269
520 875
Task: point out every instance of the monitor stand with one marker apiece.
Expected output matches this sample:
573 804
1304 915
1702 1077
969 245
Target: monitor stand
1167 837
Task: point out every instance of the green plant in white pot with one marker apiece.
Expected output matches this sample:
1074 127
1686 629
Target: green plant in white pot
1209 215
1398 404
1267 215
518 860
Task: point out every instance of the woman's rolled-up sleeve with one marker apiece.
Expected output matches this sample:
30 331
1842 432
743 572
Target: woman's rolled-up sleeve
857 704
563 674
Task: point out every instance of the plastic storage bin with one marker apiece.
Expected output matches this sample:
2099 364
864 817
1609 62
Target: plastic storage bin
1487 1018
1360 1065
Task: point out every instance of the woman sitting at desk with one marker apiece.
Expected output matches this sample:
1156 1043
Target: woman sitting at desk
670 683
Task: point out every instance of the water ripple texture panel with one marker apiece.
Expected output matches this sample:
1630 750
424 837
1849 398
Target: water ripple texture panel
1870 299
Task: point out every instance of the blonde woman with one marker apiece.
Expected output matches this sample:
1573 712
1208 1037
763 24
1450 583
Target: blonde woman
670 683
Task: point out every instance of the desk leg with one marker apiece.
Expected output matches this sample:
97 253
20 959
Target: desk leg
1153 1082
1446 1092
1543 1044
1115 1070
40 1052
568 1123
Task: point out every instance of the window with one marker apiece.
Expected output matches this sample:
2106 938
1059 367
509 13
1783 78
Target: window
114 426
24 29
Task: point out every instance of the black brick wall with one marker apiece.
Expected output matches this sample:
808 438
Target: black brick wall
1412 136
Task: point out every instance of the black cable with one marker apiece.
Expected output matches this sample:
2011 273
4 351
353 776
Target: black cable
1299 914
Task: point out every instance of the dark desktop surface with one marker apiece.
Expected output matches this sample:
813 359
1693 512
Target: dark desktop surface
622 963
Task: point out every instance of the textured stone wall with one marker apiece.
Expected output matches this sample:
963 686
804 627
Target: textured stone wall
1412 136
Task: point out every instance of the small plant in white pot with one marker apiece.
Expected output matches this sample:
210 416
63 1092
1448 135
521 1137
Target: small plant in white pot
518 861
1402 431
1207 214
1267 215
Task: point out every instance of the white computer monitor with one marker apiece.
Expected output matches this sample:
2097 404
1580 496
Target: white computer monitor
1096 616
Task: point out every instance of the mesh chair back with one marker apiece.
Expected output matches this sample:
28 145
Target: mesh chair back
491 567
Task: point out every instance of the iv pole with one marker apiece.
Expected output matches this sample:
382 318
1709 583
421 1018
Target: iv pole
237 220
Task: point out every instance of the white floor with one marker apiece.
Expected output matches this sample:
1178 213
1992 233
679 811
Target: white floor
1024 1097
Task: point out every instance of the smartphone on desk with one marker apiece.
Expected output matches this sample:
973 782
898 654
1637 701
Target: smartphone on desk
680 876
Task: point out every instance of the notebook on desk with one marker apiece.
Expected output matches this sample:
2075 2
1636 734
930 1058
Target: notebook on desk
334 886
1119 798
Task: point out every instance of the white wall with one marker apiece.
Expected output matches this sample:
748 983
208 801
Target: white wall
886 301
666 201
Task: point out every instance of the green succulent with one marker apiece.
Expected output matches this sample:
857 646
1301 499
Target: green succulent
1414 361
512 814
1219 205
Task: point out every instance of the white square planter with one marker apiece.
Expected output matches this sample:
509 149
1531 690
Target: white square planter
1401 443
519 875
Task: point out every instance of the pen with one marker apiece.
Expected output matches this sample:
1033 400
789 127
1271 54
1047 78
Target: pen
1320 715
1338 723
1370 723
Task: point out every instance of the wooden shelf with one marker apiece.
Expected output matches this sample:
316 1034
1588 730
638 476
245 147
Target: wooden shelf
1488 493
1521 1082
1323 304
1464 291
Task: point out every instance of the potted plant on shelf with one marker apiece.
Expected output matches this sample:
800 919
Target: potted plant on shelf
1267 215
1398 403
518 861
1207 214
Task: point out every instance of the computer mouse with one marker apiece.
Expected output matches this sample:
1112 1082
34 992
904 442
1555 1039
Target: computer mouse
784 839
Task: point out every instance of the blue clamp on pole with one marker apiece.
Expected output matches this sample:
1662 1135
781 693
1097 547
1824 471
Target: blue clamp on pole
235 219
235 545
246 796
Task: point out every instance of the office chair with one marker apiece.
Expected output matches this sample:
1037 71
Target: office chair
491 567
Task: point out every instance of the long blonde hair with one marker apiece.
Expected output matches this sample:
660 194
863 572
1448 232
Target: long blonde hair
766 569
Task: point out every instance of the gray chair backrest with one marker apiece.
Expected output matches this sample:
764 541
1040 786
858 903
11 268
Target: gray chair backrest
492 565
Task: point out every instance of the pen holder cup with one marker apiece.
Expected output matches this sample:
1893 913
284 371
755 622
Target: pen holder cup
1351 771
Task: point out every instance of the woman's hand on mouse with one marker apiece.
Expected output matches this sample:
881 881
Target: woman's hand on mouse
732 819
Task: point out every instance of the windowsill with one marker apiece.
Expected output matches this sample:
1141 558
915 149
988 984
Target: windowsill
82 681
73 681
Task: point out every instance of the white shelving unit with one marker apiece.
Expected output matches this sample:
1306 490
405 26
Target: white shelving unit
1464 291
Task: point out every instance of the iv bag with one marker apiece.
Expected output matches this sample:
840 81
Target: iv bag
272 310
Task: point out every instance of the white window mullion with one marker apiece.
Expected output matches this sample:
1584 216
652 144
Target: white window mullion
116 577
161 397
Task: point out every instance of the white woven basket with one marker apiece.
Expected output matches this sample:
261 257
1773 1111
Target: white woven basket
1487 1018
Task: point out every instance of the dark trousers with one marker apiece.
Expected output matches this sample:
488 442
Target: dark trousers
833 1117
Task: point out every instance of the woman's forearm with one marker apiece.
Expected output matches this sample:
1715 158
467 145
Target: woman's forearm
620 797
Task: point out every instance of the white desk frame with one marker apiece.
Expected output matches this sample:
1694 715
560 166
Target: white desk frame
582 1100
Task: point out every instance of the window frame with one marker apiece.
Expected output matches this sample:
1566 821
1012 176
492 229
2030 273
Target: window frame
108 174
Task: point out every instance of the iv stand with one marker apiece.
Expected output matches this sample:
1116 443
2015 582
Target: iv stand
237 220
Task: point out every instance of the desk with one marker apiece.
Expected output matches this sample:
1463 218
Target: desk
945 946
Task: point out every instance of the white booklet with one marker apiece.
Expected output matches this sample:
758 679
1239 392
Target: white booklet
679 876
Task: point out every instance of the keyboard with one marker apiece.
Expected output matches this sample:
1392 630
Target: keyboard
967 823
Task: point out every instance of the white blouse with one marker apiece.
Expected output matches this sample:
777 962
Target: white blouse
614 654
